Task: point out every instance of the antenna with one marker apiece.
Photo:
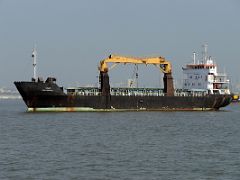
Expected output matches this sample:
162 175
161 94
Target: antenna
205 52
34 56
194 57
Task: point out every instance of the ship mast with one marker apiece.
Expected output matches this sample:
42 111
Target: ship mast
34 56
205 56
194 57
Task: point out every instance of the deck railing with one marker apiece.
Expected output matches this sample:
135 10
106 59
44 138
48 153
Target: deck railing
133 92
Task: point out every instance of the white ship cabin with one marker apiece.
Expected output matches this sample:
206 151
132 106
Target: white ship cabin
205 77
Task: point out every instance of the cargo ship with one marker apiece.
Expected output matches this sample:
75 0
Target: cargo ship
40 95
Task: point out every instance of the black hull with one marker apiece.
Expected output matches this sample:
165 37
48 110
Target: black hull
40 96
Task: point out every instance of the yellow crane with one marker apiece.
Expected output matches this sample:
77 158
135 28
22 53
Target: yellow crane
162 63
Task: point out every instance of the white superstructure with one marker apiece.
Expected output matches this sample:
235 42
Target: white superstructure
203 76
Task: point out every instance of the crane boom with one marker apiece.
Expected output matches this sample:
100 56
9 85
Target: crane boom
164 65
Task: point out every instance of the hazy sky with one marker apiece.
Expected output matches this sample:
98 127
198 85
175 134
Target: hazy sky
72 36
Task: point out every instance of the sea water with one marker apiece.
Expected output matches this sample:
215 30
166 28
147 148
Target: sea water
119 145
